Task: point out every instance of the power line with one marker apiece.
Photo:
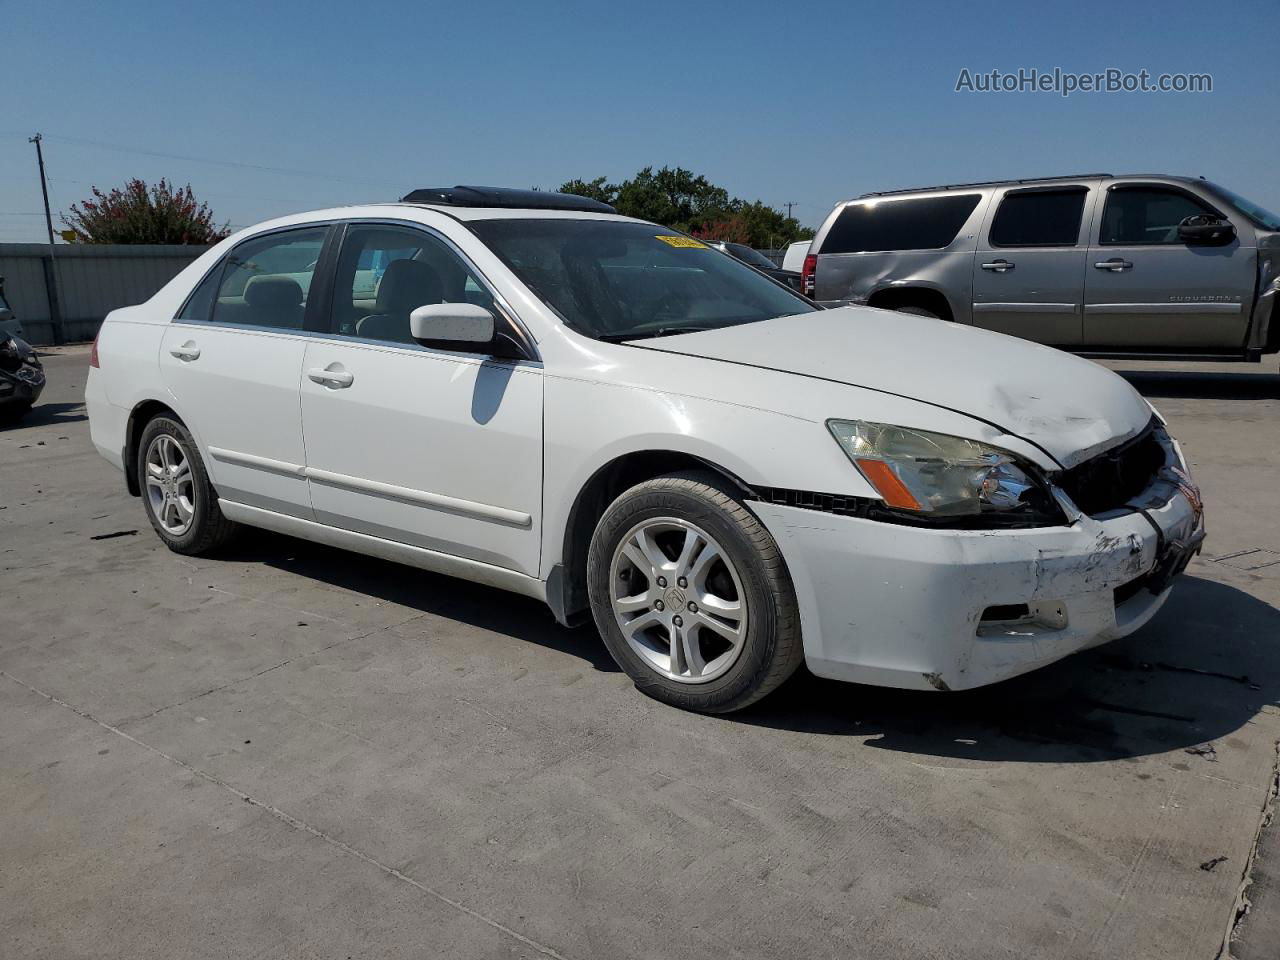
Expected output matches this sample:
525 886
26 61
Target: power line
220 163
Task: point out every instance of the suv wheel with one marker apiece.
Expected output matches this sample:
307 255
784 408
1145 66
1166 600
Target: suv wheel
180 502
917 311
691 595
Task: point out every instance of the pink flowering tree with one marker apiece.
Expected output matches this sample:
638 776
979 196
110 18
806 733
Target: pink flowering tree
141 214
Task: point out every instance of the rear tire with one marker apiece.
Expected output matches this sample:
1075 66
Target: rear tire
176 493
917 311
691 595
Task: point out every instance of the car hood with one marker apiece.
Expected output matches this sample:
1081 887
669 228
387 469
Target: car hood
1069 407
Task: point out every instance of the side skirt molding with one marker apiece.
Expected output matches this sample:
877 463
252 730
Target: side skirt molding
420 557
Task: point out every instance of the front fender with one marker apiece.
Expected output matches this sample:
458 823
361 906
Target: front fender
590 424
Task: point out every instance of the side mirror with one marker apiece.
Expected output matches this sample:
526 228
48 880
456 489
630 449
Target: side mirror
453 326
1206 231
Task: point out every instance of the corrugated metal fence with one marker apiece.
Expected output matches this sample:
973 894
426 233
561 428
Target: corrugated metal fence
92 280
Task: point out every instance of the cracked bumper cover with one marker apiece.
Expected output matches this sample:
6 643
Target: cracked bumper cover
902 606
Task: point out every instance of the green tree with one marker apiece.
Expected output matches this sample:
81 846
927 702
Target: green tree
141 214
596 189
679 198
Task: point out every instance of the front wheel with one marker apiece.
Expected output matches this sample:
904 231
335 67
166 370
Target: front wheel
691 595
11 413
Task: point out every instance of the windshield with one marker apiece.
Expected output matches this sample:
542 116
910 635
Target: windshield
1260 216
747 255
615 280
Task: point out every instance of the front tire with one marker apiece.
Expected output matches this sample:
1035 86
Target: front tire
12 413
691 595
176 493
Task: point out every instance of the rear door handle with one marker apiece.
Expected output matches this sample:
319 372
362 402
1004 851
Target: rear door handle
1115 265
337 379
186 352
998 266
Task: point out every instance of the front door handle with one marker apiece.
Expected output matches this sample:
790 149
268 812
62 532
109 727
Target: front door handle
186 352
336 379
1115 265
998 266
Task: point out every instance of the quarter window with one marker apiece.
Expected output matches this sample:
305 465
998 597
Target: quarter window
385 273
265 281
200 303
924 223
1147 215
1039 218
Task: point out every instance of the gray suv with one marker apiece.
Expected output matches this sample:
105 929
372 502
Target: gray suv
1133 266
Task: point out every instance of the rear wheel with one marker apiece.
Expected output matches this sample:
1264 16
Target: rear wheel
917 311
180 502
691 595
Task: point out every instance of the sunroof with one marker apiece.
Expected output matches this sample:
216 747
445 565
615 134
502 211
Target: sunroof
507 197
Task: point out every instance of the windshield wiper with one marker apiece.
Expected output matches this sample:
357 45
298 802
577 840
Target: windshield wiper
649 334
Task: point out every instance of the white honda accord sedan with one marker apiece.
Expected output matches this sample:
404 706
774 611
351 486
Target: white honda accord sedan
527 390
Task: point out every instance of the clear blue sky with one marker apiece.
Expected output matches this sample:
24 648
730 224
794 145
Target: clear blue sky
809 102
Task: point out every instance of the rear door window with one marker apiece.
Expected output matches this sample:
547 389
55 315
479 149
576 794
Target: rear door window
1039 218
922 223
266 280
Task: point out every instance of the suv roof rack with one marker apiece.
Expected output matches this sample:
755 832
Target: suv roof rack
982 183
504 197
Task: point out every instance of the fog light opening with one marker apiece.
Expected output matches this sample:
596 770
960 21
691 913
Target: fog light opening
1003 613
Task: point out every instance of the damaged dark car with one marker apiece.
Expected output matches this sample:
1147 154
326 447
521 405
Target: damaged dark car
21 378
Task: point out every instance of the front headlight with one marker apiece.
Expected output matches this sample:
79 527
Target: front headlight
941 476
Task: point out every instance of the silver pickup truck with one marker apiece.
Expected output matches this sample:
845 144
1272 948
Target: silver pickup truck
1140 266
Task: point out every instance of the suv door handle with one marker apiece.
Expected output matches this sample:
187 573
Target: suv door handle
1115 265
186 352
999 266
337 379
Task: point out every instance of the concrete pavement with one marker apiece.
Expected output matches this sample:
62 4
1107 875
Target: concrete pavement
290 751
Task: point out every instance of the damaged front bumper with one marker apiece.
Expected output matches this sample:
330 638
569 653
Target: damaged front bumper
928 609
21 373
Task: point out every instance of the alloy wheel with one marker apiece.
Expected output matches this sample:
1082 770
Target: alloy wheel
678 600
170 485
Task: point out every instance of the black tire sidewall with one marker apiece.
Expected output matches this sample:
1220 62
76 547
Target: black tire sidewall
205 495
760 645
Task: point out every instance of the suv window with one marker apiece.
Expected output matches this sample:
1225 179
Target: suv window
1039 218
385 273
1138 215
265 281
925 223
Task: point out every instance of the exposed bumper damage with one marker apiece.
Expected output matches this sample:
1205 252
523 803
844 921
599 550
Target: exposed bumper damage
952 609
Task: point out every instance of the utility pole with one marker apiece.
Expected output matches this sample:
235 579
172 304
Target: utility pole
50 273
44 187
787 205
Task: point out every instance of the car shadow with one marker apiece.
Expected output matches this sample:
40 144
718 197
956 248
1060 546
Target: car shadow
1204 386
1202 669
45 414
488 608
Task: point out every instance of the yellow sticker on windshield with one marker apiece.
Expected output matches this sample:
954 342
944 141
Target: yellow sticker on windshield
687 242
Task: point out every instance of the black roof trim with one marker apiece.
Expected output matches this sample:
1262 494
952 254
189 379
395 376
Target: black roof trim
984 183
504 197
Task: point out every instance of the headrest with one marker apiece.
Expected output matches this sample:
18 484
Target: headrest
273 292
407 285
